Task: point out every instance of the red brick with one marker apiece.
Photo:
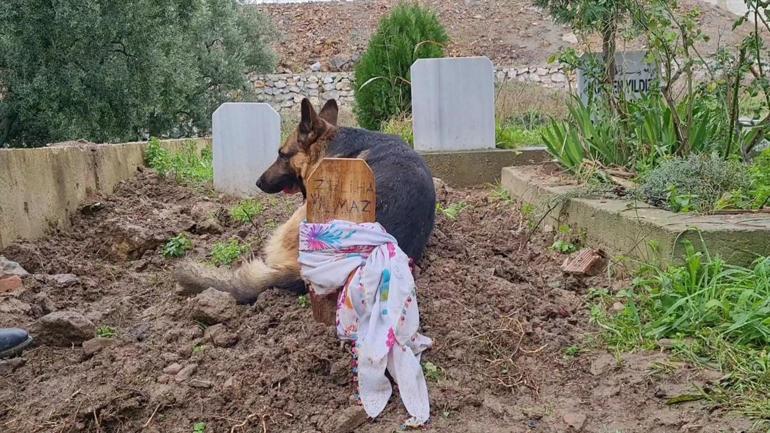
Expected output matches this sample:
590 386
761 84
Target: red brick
11 283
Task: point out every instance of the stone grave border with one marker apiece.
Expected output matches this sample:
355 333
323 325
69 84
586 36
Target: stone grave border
626 228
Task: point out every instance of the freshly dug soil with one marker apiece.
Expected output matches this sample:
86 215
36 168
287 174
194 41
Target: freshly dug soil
493 299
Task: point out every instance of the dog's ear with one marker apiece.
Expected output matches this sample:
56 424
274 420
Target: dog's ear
329 112
308 119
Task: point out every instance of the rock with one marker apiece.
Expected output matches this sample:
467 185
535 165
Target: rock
8 267
173 369
602 364
347 421
10 283
64 280
198 383
63 328
442 190
94 345
315 67
558 78
186 373
617 307
569 38
328 80
130 241
213 306
8 366
220 336
574 420
280 84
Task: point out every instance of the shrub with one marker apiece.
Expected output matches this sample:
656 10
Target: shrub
115 71
695 183
408 33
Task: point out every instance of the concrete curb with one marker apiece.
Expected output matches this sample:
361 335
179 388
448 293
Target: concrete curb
479 167
626 228
41 187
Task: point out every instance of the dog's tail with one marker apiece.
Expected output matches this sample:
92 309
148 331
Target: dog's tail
244 284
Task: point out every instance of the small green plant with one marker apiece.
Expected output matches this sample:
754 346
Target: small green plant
432 372
383 90
563 247
199 427
105 331
226 253
512 136
303 301
198 348
188 166
246 211
177 246
500 193
452 211
572 352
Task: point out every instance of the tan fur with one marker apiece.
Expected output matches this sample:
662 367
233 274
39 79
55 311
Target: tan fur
280 266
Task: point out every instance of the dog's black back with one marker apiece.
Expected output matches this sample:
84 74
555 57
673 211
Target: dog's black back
406 199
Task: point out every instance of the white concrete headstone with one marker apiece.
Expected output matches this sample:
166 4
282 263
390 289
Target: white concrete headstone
246 140
633 74
453 103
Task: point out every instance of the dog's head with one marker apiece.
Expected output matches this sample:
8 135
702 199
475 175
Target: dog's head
302 150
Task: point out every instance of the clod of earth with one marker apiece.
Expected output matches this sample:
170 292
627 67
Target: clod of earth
64 280
96 344
186 373
173 369
220 336
212 307
347 421
63 328
130 241
574 420
8 366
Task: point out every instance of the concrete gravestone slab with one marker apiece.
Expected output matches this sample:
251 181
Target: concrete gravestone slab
453 104
633 74
246 140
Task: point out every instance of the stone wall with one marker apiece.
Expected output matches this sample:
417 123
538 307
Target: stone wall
285 91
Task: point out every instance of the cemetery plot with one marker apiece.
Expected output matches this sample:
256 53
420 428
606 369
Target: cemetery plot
509 331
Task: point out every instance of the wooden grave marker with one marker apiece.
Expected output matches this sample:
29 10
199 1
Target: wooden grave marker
342 189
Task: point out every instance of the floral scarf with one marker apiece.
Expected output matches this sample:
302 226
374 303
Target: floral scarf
376 309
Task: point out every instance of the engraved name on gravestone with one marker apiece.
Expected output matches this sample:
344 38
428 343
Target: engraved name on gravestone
341 188
453 104
633 74
246 140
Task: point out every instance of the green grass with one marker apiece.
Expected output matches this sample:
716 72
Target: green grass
177 246
400 126
199 427
246 211
718 314
226 253
564 247
187 166
106 332
452 211
499 193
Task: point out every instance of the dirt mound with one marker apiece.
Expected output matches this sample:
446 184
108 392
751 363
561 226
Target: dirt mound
510 32
500 312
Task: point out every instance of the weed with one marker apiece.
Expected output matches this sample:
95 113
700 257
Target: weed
198 348
303 301
717 313
188 166
199 427
452 211
105 331
563 247
226 253
571 352
177 246
432 372
500 193
246 211
400 126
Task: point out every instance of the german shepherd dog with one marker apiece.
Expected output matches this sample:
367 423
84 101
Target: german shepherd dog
406 202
